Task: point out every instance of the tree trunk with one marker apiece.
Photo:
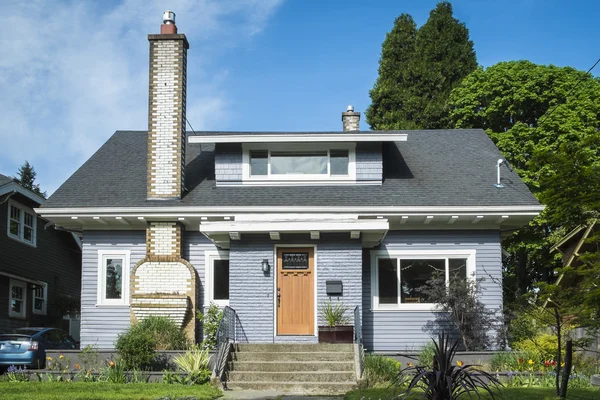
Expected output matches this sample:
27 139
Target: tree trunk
558 356
567 369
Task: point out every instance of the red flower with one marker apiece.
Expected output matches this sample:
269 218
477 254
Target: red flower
520 361
553 363
546 363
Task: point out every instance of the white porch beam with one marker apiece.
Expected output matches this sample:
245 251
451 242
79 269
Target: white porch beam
404 219
315 235
122 220
428 219
477 219
274 235
452 219
354 234
502 219
100 220
235 235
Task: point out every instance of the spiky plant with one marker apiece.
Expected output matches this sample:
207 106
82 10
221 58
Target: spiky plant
444 380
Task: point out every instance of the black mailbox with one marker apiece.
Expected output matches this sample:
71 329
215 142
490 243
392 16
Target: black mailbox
334 288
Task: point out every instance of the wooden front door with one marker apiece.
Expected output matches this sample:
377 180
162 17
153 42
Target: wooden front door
295 291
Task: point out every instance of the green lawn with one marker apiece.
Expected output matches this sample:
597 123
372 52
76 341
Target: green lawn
507 394
104 391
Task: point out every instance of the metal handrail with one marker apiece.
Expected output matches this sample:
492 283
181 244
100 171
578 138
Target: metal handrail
358 339
225 339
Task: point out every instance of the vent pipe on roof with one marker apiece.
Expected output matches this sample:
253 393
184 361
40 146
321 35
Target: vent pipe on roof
168 26
498 184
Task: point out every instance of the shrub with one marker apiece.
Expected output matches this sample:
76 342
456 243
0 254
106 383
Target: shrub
192 361
210 325
462 307
379 369
545 344
517 361
136 349
445 380
426 354
165 333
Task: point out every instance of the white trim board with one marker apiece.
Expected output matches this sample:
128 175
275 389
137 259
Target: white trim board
209 257
300 138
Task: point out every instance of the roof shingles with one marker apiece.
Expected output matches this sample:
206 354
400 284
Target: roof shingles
432 168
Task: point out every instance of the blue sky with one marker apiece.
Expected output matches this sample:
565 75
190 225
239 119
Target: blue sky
73 72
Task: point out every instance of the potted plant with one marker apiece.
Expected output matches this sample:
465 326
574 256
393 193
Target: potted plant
336 328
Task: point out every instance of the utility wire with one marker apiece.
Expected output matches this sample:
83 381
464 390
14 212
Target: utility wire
570 91
188 122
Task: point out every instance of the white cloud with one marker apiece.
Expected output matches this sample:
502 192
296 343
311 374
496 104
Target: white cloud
72 73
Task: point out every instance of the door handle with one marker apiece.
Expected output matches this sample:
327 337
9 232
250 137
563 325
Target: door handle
278 297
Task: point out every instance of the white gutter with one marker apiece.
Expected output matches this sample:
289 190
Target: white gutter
299 138
20 278
201 211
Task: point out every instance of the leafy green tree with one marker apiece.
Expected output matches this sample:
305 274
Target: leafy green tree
533 112
26 177
418 70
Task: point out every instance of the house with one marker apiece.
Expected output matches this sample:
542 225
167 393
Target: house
276 224
40 266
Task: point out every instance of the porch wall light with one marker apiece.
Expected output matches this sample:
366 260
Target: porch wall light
265 265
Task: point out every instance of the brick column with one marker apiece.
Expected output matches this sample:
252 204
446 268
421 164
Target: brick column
166 116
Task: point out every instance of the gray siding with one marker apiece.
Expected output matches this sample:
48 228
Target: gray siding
251 292
403 330
100 325
369 162
228 162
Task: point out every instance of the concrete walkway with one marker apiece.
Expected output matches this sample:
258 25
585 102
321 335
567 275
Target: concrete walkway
259 394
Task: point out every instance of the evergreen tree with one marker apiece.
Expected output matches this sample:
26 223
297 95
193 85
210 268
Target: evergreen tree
391 107
26 177
418 70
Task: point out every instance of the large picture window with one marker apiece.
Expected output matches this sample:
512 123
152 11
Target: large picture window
113 277
302 162
397 277
217 277
22 223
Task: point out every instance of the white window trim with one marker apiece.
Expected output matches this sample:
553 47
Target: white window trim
247 147
22 285
20 237
44 309
209 258
101 288
469 254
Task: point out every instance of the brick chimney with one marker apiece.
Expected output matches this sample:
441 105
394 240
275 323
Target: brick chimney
351 120
166 111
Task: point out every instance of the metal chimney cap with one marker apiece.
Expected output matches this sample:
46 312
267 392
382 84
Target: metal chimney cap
350 109
169 18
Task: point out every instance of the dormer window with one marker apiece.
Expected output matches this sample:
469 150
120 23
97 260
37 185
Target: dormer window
302 162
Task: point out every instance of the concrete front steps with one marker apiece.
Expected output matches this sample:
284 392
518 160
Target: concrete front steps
297 368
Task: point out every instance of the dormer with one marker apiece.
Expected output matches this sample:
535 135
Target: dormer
350 157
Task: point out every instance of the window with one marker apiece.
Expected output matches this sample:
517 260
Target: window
301 162
17 302
217 278
40 299
398 276
22 223
113 277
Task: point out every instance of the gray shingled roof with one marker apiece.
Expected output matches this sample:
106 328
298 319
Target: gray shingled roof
4 180
432 168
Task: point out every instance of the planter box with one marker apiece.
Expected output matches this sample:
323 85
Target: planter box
336 334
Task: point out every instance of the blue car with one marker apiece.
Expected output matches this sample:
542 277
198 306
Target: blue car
27 346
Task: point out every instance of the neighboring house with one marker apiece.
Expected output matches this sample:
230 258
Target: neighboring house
262 221
39 265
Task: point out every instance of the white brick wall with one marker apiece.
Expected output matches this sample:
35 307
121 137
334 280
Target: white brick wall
163 277
167 118
164 238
